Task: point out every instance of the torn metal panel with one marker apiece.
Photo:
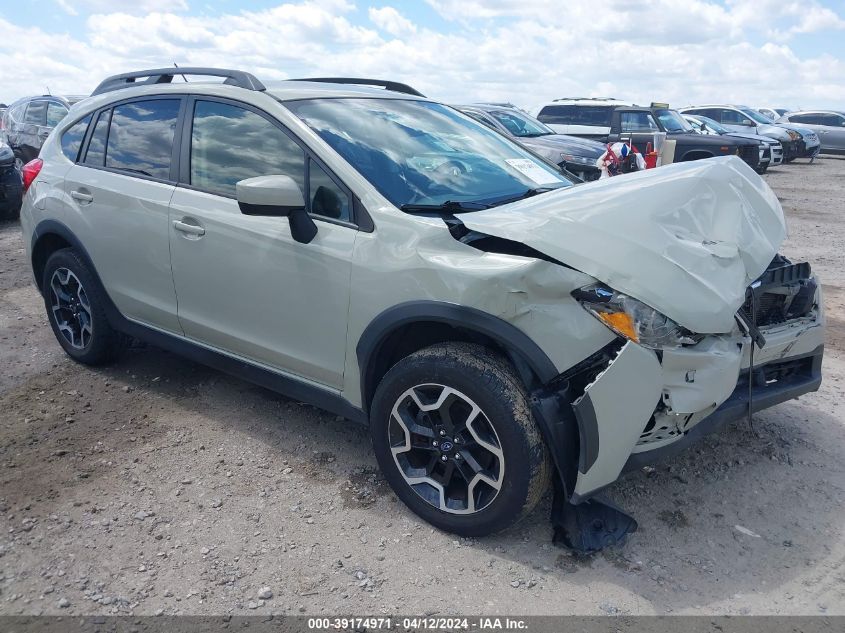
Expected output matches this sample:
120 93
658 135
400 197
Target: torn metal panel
686 239
700 377
612 413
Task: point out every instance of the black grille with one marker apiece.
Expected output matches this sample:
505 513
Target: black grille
750 154
785 291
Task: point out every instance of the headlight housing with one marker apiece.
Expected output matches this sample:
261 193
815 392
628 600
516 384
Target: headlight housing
632 319
580 160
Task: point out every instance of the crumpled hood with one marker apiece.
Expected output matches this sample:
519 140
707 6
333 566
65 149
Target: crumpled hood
687 239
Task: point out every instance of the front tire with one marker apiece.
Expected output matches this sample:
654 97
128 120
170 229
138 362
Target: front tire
452 430
76 310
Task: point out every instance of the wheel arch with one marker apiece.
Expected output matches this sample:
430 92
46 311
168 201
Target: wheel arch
409 327
50 236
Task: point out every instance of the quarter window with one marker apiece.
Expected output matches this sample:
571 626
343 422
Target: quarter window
96 153
36 113
73 136
230 143
141 137
55 113
325 197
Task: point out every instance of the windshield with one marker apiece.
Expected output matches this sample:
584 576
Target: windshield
713 125
520 124
756 116
423 153
672 121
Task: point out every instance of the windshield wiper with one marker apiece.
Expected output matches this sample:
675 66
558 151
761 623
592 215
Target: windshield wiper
527 194
449 205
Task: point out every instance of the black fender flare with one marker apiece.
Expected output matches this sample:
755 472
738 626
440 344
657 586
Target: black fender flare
520 347
54 227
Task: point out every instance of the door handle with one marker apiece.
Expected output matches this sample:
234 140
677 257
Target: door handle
81 196
190 229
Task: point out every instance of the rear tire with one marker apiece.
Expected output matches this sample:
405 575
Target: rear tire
453 433
76 310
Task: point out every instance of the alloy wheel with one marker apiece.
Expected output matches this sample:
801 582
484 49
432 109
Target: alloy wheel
446 448
71 308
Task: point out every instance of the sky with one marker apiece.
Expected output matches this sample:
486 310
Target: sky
781 53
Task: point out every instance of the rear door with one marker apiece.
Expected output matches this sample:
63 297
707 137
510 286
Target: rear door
119 193
245 286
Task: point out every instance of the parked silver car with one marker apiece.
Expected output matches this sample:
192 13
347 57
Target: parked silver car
828 124
771 151
739 118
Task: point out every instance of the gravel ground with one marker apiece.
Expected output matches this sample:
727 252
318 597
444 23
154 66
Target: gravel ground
158 485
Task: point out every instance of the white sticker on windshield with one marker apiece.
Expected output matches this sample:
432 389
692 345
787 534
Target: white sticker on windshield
532 170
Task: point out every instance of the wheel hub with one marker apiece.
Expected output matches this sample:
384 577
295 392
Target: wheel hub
70 308
446 448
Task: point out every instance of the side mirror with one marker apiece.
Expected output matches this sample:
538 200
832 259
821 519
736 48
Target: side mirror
277 196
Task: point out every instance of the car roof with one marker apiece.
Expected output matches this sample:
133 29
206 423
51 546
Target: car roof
588 101
790 113
279 90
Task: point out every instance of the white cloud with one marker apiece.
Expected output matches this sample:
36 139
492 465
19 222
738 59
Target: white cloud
390 20
522 52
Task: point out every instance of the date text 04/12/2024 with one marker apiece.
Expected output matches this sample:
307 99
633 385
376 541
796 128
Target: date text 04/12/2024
420 623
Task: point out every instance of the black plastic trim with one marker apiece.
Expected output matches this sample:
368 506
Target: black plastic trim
285 385
515 341
393 86
585 413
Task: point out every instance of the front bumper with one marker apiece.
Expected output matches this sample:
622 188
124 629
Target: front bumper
801 374
628 406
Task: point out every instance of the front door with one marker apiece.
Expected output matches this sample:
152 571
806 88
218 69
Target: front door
244 285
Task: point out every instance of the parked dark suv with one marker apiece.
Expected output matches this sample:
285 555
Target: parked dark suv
28 122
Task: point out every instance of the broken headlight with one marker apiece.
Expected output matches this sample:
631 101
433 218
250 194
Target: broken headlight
633 319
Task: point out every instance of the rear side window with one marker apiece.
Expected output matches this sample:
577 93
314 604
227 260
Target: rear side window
598 116
55 113
36 113
96 154
638 122
141 135
230 143
73 136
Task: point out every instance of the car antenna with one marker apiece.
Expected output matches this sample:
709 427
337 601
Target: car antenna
48 91
175 65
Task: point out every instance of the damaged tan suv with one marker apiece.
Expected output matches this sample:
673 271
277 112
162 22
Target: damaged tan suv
385 257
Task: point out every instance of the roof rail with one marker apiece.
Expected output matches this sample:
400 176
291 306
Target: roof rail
165 76
586 99
393 86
